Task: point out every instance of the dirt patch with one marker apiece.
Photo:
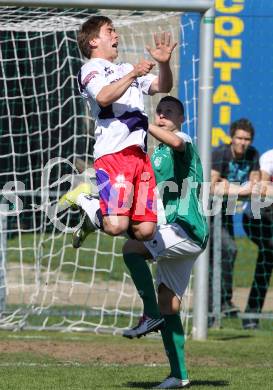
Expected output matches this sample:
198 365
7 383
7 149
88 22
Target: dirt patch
87 352
92 352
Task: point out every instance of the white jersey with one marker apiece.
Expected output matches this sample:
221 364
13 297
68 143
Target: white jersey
266 163
124 122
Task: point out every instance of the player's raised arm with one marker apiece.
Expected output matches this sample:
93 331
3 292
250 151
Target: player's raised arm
167 137
112 92
162 54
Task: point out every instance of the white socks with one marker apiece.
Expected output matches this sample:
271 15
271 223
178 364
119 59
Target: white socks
92 208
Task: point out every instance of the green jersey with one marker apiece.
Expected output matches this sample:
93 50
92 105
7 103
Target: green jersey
179 176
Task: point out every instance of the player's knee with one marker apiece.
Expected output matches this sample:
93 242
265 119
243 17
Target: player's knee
167 301
115 226
113 230
144 231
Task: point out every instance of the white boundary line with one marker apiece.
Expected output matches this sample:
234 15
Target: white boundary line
77 364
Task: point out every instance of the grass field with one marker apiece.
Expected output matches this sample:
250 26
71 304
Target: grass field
230 359
102 253
68 361
60 249
57 262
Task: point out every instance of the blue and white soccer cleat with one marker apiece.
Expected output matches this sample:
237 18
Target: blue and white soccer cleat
173 383
146 325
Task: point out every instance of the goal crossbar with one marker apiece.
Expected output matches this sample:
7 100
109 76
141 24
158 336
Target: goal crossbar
158 5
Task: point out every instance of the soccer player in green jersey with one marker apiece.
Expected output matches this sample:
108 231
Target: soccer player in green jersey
177 242
181 236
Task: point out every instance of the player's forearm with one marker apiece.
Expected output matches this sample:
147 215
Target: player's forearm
112 92
165 78
167 137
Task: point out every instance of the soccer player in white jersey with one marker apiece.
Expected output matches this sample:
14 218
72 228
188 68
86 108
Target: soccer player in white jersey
114 93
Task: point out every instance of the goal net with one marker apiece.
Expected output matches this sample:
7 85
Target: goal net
47 138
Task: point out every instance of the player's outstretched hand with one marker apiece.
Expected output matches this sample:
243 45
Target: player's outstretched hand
163 47
143 68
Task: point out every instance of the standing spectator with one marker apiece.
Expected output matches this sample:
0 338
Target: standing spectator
233 165
260 231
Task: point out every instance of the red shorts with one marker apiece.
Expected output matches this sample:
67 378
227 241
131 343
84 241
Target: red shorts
126 184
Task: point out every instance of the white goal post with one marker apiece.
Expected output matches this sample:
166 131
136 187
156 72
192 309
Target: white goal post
204 118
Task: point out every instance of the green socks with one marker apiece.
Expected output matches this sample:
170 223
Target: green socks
173 339
172 333
143 281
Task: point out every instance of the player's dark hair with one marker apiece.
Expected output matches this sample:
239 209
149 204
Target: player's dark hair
242 124
89 30
172 99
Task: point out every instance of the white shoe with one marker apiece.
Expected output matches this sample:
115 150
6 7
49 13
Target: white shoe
145 325
173 383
